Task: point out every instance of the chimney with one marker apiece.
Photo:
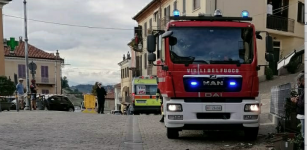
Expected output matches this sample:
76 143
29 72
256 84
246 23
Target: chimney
124 57
5 42
20 39
57 54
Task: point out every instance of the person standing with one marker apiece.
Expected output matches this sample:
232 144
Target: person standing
101 93
20 93
299 102
33 94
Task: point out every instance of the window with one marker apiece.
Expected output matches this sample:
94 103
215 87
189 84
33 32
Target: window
183 6
128 72
145 28
145 89
196 4
45 91
175 5
44 74
145 60
300 12
156 16
21 71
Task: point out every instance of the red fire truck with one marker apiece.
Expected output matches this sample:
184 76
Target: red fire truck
208 72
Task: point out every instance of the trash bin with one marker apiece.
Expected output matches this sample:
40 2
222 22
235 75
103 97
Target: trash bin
39 103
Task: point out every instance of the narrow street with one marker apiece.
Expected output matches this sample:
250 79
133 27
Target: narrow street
50 130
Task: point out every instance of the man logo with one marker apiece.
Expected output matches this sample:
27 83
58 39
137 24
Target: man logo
213 83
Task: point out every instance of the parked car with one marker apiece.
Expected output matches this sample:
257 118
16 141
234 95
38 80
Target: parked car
59 103
13 106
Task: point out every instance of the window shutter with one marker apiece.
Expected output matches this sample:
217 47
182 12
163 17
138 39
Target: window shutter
184 7
46 72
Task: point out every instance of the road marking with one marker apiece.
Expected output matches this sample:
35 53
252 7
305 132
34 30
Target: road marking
133 138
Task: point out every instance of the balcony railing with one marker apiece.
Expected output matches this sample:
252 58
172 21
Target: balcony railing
280 23
164 22
44 80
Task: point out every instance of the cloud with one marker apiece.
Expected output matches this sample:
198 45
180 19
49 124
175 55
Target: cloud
93 54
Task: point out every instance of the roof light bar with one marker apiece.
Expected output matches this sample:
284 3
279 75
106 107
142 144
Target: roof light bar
211 18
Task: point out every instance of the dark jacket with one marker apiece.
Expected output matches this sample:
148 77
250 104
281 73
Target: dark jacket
300 104
101 93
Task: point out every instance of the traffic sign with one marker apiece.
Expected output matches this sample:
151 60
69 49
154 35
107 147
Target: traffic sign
32 66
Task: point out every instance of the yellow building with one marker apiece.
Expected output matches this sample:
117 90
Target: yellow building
285 24
48 72
2 69
126 78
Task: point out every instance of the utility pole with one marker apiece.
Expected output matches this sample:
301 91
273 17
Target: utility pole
305 72
28 107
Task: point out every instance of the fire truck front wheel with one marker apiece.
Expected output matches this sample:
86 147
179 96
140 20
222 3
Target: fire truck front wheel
251 133
172 133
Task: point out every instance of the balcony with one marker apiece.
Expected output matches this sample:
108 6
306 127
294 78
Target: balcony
44 80
280 23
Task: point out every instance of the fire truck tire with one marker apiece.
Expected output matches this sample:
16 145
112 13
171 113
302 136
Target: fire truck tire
251 133
172 133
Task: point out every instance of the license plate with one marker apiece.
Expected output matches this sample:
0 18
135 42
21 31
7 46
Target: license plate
141 101
213 108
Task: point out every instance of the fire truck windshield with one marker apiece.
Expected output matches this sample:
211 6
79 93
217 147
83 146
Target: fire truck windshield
212 45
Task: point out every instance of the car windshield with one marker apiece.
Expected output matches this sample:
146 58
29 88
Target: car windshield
212 45
145 89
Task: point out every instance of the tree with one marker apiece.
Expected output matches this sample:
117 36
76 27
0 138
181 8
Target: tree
7 87
64 82
94 89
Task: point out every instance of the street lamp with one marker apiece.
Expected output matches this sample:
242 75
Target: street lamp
140 46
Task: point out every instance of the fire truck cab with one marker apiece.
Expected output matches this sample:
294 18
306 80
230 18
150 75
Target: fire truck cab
207 72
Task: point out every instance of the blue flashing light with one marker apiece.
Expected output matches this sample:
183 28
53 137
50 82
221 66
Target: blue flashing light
245 13
232 83
193 83
176 13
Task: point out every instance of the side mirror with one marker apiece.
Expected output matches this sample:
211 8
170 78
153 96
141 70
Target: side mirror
269 44
269 57
151 57
167 34
172 41
151 43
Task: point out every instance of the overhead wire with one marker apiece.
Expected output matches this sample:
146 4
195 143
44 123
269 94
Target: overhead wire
280 9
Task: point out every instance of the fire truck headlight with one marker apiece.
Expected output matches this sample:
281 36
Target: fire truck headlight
244 14
174 107
251 108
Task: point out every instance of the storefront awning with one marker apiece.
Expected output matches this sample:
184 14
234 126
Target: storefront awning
285 61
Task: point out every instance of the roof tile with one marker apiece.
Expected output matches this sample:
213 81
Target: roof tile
34 52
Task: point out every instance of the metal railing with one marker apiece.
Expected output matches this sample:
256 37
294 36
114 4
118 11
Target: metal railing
45 80
280 23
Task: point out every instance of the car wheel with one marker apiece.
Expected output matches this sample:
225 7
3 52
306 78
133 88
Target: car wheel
251 133
71 110
172 133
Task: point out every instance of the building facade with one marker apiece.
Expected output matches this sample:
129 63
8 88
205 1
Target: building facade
126 78
2 65
47 74
285 24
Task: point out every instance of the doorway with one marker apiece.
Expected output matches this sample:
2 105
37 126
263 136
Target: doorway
276 53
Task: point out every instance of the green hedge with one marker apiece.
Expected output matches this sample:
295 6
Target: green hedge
7 87
268 73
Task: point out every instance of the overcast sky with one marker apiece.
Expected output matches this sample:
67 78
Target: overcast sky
93 54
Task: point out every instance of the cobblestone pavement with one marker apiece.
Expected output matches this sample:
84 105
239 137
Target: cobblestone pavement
48 130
